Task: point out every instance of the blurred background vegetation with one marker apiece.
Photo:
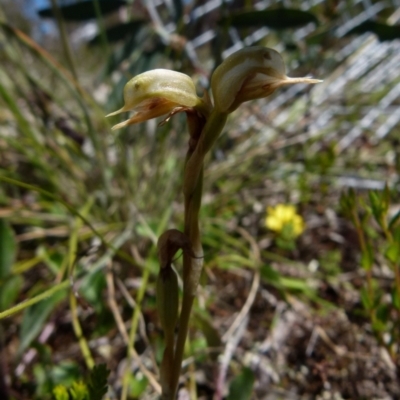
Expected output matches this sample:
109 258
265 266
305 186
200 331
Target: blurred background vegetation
303 304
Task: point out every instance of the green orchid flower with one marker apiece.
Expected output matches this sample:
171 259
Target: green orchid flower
250 73
159 92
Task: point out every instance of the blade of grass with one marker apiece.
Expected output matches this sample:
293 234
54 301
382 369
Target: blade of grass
72 252
27 303
64 39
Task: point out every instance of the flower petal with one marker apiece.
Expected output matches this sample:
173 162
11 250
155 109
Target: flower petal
151 108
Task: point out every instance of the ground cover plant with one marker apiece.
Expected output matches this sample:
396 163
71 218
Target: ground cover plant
299 296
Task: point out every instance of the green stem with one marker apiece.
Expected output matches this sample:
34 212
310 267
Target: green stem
192 266
166 370
187 304
83 344
209 136
191 274
192 231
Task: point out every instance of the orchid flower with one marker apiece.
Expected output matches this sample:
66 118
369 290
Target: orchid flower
250 73
159 92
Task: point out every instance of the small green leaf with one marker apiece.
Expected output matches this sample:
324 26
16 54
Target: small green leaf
8 248
137 385
98 382
393 253
279 18
241 388
284 241
65 372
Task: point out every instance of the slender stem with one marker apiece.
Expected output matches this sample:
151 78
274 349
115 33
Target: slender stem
191 274
187 304
192 267
83 344
192 231
209 136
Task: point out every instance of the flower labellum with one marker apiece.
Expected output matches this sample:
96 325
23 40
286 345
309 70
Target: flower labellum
158 92
250 73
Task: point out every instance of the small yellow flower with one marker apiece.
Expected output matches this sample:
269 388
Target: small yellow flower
282 216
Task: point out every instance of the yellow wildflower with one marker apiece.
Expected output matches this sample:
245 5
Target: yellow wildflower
284 216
